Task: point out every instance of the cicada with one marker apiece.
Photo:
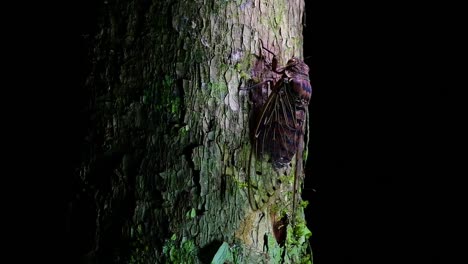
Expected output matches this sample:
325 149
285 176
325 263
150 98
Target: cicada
278 121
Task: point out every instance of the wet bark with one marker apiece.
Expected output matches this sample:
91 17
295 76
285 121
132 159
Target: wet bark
164 178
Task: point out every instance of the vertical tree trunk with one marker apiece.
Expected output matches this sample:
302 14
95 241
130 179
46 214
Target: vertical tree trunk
166 172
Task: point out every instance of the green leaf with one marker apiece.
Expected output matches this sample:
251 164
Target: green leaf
222 254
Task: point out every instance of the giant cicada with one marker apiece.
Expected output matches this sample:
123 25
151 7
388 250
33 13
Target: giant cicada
280 106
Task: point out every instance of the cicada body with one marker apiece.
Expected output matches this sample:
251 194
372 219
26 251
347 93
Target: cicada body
281 122
279 119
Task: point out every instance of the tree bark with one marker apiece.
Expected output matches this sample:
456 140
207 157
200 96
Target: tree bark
165 179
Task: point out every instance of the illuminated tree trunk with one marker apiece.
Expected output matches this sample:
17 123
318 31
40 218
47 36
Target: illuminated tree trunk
169 146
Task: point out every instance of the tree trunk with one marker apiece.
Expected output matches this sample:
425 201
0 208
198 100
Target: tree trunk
165 179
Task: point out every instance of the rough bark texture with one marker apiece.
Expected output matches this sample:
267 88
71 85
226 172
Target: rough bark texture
164 178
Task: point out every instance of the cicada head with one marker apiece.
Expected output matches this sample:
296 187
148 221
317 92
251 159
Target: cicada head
296 66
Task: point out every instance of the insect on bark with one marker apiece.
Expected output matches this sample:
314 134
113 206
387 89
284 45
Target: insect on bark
279 120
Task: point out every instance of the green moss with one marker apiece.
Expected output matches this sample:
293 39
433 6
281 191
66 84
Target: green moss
301 233
183 132
166 100
274 209
140 252
223 67
244 75
280 9
167 82
243 66
184 252
218 88
191 213
242 184
175 106
297 243
274 250
198 56
305 153
235 178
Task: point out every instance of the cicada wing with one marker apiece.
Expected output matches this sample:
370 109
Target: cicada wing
283 131
260 187
275 142
299 164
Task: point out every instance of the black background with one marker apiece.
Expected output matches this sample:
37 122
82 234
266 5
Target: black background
379 175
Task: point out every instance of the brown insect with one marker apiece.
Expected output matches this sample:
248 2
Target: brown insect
280 230
278 119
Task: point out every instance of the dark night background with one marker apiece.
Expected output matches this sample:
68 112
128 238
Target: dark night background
380 134
379 178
